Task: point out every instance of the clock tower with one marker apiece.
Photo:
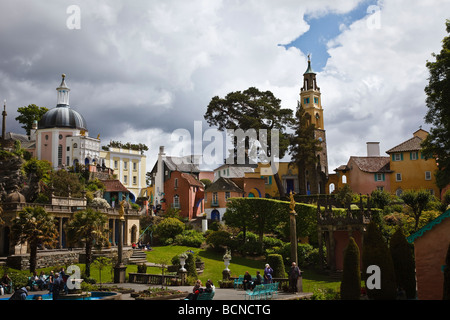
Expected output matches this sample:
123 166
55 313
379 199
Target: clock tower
316 175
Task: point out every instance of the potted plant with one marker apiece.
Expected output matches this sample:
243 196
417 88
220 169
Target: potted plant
183 258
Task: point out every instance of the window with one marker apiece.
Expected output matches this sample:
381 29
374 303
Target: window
75 145
115 164
306 100
176 201
316 100
176 183
227 195
215 199
413 155
427 175
134 180
67 161
134 166
125 179
68 148
60 151
398 177
397 157
267 180
380 188
125 165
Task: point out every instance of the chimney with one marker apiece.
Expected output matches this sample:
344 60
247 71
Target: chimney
373 149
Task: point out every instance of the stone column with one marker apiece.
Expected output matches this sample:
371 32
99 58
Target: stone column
120 268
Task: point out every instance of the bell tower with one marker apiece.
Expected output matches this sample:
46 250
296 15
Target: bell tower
310 97
316 175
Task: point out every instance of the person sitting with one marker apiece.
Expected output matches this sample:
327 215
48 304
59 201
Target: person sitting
195 291
42 281
258 279
248 281
6 282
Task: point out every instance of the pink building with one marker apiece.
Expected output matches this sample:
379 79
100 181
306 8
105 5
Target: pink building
62 135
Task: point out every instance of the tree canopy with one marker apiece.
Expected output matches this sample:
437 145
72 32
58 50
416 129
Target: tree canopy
437 143
27 115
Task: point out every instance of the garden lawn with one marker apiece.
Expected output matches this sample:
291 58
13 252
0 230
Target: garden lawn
312 280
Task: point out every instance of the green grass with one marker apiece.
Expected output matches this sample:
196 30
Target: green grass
312 280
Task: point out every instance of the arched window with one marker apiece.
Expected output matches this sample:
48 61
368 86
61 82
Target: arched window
331 188
344 179
176 201
75 145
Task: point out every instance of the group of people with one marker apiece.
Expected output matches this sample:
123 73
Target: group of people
197 289
55 283
141 245
249 283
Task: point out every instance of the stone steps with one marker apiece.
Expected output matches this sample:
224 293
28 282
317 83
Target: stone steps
138 256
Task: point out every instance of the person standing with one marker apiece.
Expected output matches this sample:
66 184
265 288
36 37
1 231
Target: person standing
294 274
268 273
58 285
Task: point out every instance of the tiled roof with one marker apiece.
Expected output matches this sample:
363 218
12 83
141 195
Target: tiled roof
224 184
412 144
182 164
114 186
372 164
192 180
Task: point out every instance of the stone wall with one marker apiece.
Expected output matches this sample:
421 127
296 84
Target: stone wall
61 258
44 260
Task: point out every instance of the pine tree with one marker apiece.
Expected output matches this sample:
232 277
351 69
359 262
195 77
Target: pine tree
351 278
402 257
376 252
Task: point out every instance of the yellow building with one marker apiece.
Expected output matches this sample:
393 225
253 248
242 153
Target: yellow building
130 168
410 169
288 175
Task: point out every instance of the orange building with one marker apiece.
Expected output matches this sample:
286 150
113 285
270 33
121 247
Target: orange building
217 194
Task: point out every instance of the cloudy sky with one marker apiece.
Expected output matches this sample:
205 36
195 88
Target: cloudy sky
139 70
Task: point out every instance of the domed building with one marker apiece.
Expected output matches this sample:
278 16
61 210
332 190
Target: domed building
62 136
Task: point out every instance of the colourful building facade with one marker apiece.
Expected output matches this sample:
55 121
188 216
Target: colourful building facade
410 170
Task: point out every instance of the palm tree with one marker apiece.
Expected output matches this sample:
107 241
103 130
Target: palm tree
88 226
34 226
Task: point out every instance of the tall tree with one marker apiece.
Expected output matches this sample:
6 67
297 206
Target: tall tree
88 226
27 115
351 277
252 109
437 143
404 266
304 146
35 226
417 201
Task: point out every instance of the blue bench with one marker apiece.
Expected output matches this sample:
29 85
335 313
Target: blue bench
206 296
262 291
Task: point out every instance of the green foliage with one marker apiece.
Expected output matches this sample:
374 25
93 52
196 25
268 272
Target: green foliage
345 196
403 259
169 228
190 238
36 227
27 115
65 183
100 263
189 265
380 198
437 143
276 263
376 252
351 277
219 240
308 256
417 201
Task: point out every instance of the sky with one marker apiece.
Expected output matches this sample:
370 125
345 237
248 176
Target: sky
141 70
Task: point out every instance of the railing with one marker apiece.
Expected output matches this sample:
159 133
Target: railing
146 278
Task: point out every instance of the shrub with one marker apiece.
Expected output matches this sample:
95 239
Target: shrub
351 277
189 266
376 252
169 228
218 240
276 263
100 202
402 257
190 238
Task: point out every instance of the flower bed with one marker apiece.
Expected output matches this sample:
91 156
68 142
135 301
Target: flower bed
158 294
